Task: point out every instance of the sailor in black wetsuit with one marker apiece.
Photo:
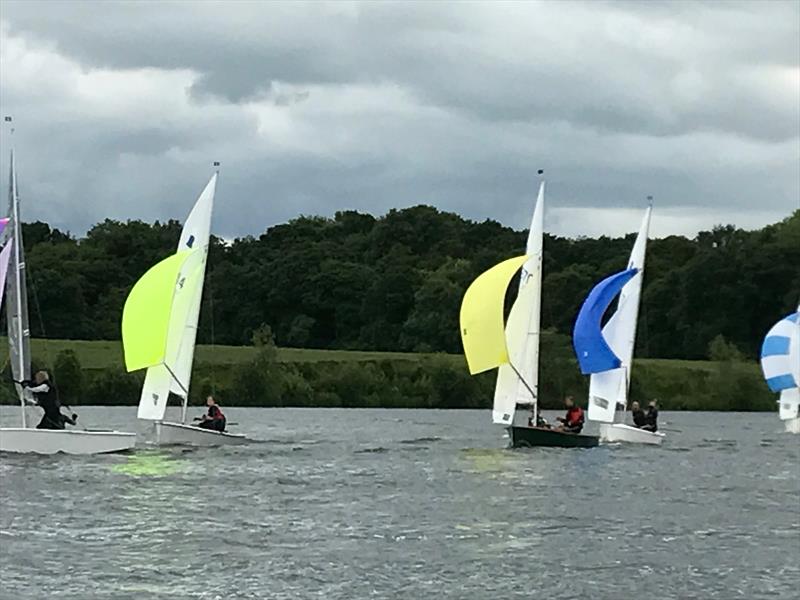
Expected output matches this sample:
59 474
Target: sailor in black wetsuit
651 418
214 419
639 418
46 397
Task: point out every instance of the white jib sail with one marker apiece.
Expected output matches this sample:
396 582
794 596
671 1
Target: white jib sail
620 333
175 374
522 330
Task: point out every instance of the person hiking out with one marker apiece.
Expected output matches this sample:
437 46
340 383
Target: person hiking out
45 396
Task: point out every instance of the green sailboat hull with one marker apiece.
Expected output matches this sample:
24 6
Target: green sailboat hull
525 437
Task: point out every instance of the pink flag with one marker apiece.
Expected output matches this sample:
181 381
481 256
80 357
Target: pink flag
5 254
3 222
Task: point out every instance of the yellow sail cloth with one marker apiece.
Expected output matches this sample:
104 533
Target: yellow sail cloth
147 311
482 329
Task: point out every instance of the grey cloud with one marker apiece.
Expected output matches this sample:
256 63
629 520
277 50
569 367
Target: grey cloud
575 70
615 100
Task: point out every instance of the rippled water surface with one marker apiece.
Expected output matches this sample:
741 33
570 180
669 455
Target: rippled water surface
347 504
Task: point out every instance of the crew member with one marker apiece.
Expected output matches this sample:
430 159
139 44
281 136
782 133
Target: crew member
213 419
651 418
639 418
573 421
46 397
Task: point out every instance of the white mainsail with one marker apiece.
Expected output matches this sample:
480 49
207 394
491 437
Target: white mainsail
176 372
620 333
17 295
518 382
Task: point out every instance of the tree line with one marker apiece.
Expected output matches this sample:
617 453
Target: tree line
438 381
395 282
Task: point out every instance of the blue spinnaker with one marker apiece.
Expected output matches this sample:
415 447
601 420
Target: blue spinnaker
776 355
593 352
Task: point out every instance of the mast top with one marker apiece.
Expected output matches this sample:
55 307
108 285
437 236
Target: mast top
650 201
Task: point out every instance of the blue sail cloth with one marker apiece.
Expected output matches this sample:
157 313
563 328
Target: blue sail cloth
776 355
593 352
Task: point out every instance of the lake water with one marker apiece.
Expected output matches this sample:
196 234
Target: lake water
350 504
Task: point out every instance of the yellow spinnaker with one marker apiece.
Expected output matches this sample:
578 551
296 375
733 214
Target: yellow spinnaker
146 316
482 330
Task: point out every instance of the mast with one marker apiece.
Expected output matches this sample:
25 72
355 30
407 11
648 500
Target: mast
533 276
17 307
518 381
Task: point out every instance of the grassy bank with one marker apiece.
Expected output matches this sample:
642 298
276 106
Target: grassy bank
91 372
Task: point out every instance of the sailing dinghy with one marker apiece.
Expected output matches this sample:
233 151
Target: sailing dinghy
513 349
26 439
159 329
606 353
780 362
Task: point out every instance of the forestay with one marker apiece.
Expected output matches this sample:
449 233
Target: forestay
521 386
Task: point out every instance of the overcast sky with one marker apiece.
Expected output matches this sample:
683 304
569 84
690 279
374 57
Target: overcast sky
120 109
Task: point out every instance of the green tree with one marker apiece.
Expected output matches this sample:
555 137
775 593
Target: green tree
68 376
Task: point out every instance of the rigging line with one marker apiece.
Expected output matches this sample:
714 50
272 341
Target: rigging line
522 379
175 378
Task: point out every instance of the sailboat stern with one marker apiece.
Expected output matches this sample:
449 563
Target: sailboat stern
621 433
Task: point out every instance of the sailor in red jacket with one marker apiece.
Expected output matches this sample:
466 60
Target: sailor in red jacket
573 421
214 419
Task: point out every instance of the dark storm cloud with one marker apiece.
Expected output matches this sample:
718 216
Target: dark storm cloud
318 107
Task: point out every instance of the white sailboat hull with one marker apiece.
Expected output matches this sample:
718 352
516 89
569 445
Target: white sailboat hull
792 425
50 441
178 434
619 432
